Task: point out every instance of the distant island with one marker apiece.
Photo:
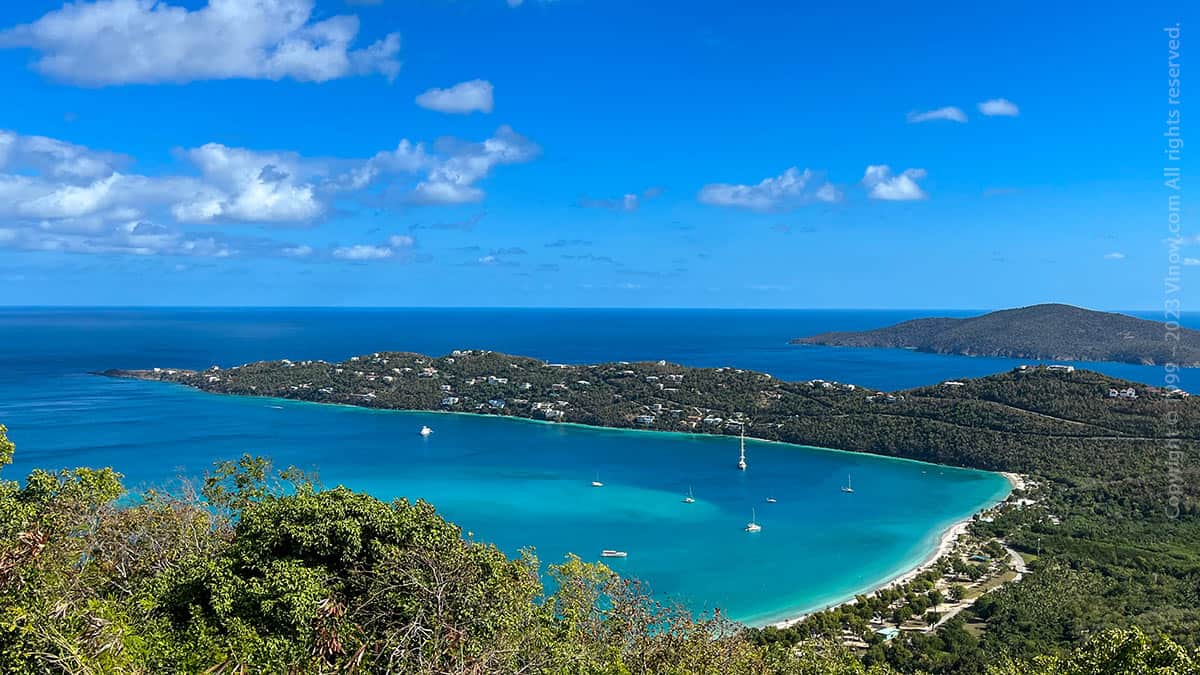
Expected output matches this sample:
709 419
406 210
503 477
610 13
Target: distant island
1050 332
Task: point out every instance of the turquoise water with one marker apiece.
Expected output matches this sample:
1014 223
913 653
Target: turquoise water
517 484
511 482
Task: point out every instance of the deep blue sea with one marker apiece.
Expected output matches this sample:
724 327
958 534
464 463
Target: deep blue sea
515 483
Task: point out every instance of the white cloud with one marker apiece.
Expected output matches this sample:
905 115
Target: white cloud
1191 261
56 158
949 112
1115 255
999 107
394 246
451 180
789 188
112 42
462 98
882 184
140 238
245 185
362 252
55 195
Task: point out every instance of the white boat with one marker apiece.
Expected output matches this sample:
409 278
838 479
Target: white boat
846 488
771 500
609 553
742 459
425 431
689 499
753 526
597 483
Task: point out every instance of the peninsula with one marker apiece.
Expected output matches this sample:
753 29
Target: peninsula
1032 419
1045 332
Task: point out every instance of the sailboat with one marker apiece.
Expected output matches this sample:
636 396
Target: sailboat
425 431
742 459
689 499
597 483
846 487
753 526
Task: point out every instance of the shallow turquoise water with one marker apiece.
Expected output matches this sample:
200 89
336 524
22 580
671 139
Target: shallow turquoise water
511 482
517 483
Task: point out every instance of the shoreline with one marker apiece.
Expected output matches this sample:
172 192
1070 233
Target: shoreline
946 543
947 539
579 425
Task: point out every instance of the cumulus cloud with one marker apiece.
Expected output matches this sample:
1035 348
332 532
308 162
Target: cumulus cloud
50 187
882 184
999 107
244 185
452 179
790 188
114 42
462 98
1115 255
55 158
949 112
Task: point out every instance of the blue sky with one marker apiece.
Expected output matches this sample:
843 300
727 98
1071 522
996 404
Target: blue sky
582 153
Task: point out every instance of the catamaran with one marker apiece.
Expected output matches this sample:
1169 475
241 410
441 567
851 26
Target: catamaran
689 499
753 526
846 487
425 431
742 459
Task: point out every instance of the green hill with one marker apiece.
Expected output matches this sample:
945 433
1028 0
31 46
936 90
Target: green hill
1050 331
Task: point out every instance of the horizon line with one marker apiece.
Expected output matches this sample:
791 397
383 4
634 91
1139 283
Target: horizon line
576 308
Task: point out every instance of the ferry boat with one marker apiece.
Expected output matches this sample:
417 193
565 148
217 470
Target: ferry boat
846 488
689 499
609 553
753 526
425 431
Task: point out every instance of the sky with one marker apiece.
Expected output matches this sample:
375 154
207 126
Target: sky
585 153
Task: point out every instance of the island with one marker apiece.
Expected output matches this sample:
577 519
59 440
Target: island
1041 332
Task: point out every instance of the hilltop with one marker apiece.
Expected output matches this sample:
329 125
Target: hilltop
1050 331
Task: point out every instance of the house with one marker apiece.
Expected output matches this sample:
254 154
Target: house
445 387
450 400
952 383
644 420
496 403
552 414
1058 368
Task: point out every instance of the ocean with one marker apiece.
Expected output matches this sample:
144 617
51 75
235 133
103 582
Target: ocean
515 483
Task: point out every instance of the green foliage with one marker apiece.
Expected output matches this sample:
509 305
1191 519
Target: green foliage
1115 651
275 575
